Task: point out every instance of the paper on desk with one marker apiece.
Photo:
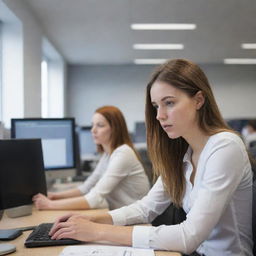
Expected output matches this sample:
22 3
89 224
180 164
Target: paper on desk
104 250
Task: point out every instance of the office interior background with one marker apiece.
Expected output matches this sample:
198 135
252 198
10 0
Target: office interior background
62 58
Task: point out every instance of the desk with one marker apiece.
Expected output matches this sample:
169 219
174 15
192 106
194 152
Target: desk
39 217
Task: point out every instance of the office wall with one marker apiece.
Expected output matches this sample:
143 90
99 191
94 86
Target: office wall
235 89
90 87
124 86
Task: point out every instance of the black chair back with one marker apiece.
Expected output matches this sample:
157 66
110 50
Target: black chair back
254 217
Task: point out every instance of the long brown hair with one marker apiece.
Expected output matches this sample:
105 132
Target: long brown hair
167 154
119 132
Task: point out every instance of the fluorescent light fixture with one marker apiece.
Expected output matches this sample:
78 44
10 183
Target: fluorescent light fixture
149 61
249 46
163 26
158 46
239 61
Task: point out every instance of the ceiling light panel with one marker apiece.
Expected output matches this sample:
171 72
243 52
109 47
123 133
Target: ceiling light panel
248 46
241 61
149 61
163 26
158 46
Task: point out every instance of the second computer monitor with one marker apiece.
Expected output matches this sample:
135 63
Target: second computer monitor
87 146
58 143
140 132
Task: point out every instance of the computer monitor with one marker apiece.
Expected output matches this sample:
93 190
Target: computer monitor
87 146
58 143
140 132
1 130
21 172
237 124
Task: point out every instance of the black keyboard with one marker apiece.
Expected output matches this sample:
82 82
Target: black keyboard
40 237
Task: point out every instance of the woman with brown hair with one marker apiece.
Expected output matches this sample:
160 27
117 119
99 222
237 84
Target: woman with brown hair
202 166
119 178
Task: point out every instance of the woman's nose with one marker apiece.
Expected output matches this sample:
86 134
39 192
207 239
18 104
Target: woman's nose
161 114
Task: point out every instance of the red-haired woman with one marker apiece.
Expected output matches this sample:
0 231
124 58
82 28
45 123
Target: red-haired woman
119 178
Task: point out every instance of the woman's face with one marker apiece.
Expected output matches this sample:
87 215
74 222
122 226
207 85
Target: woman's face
176 111
101 130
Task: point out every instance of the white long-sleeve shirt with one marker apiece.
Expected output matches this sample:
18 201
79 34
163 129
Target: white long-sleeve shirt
119 179
218 205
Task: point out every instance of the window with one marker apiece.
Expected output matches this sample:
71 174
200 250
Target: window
52 82
11 79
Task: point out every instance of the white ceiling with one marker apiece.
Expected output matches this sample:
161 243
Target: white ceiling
98 31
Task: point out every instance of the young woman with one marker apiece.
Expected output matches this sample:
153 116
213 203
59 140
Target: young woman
119 178
202 165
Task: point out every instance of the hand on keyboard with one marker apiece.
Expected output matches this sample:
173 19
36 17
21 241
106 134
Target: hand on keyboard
40 237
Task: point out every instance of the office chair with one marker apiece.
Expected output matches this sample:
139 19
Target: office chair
254 217
252 144
143 153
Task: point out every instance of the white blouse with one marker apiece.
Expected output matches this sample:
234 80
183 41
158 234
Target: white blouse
119 179
218 206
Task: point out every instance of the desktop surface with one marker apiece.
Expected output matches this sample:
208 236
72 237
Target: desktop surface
39 217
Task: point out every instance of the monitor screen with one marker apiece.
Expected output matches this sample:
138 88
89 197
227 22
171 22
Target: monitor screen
1 130
237 124
88 148
21 172
57 135
140 132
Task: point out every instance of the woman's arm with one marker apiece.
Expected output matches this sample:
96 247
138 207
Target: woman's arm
76 203
64 194
100 226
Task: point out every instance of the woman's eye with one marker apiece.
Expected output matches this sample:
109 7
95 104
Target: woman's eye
155 106
169 103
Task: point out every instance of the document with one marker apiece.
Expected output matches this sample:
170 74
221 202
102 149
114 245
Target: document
104 250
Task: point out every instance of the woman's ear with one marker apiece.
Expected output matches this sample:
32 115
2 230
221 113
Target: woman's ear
199 99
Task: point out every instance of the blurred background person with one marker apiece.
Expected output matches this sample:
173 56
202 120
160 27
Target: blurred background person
119 178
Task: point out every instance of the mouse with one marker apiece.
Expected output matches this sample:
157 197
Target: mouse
7 248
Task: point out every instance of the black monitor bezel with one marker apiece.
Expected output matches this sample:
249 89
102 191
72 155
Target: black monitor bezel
39 183
72 119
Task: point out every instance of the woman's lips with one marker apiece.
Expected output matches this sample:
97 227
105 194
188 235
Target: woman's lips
166 127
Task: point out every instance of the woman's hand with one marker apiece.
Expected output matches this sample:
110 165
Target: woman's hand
80 227
77 227
41 202
61 219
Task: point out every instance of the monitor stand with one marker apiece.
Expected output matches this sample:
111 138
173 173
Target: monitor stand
7 248
19 211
